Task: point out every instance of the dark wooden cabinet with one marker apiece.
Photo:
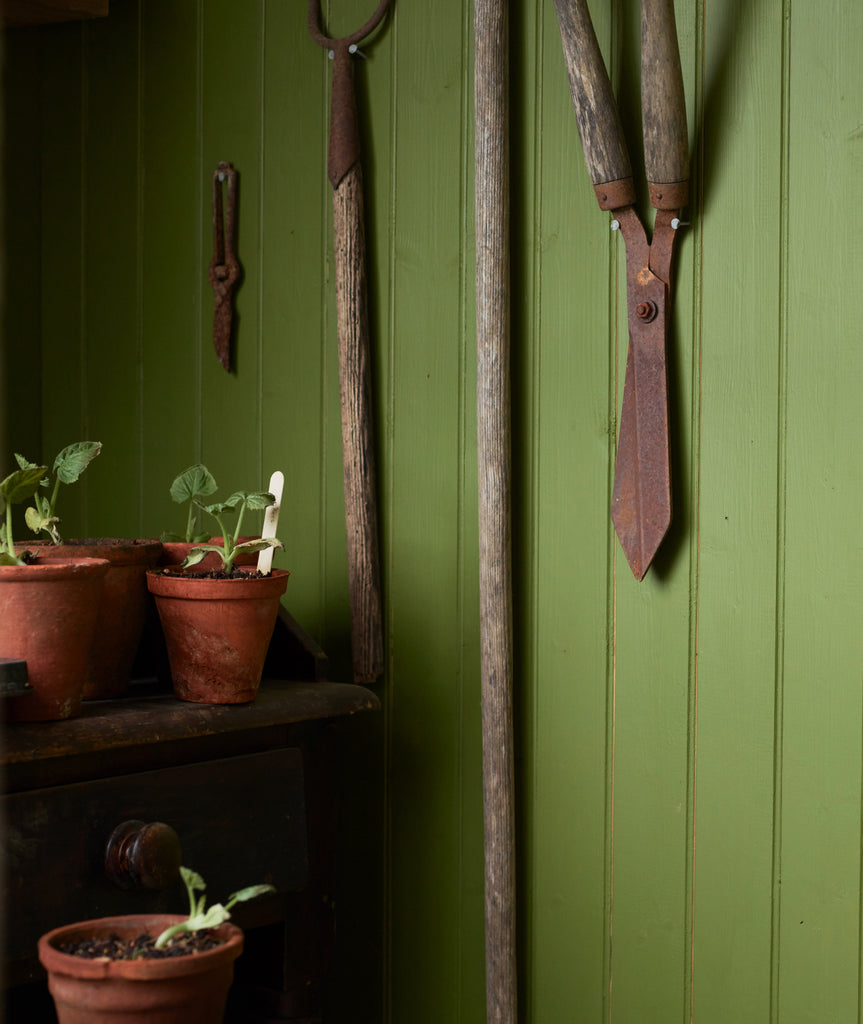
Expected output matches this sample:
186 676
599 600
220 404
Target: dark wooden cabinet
248 790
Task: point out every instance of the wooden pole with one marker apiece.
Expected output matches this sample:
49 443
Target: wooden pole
344 169
491 101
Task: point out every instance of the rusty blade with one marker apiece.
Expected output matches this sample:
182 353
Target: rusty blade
641 498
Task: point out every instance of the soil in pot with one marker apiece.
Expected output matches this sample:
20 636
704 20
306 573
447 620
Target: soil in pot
190 989
48 618
141 946
217 630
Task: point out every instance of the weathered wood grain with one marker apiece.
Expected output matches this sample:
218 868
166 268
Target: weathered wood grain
596 112
355 377
663 107
491 85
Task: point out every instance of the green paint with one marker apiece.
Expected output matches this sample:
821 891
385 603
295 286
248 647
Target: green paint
690 750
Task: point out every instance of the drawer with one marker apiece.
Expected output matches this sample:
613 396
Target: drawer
241 821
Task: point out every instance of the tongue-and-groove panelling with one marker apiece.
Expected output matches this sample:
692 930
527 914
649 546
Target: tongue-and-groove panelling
689 748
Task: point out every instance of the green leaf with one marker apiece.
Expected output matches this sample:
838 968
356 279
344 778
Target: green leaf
211 918
22 484
192 483
259 500
237 498
251 892
38 522
199 554
193 879
25 464
218 509
7 559
74 459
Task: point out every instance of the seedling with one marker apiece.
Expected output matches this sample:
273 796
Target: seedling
17 487
68 466
199 916
230 546
190 485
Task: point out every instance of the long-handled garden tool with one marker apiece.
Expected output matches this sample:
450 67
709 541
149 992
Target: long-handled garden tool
346 177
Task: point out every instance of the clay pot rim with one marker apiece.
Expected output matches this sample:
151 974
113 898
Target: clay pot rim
48 568
141 970
191 587
118 550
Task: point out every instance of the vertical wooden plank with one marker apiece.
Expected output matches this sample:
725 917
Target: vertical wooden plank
110 310
737 544
169 240
526 111
20 349
430 192
231 111
64 412
293 246
652 629
819 939
571 441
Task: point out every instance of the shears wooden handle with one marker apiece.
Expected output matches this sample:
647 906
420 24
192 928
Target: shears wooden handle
666 146
596 112
663 108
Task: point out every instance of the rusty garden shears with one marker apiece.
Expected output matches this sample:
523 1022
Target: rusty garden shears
641 498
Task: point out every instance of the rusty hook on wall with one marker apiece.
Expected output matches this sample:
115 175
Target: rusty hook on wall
224 271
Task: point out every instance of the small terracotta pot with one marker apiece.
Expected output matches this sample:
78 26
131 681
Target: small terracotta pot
122 610
175 990
217 632
48 616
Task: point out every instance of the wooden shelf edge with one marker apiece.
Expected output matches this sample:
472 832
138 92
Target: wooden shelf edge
106 726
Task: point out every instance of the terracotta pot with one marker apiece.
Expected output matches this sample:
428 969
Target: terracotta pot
176 990
217 632
122 610
174 553
48 616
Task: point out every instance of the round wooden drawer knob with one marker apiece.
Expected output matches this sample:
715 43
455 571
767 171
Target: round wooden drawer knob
142 855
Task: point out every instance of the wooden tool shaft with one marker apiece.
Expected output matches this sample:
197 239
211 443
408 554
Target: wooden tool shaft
493 439
663 107
596 112
357 435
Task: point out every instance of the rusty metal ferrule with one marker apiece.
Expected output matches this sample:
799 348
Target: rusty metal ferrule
611 195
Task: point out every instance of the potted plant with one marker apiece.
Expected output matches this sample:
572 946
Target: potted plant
218 623
188 488
155 969
48 612
123 605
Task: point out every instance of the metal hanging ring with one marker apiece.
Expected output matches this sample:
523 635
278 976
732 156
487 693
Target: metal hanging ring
355 37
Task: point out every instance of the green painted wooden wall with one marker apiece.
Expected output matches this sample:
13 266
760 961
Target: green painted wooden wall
690 749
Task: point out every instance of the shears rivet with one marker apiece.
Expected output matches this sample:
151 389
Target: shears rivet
646 311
